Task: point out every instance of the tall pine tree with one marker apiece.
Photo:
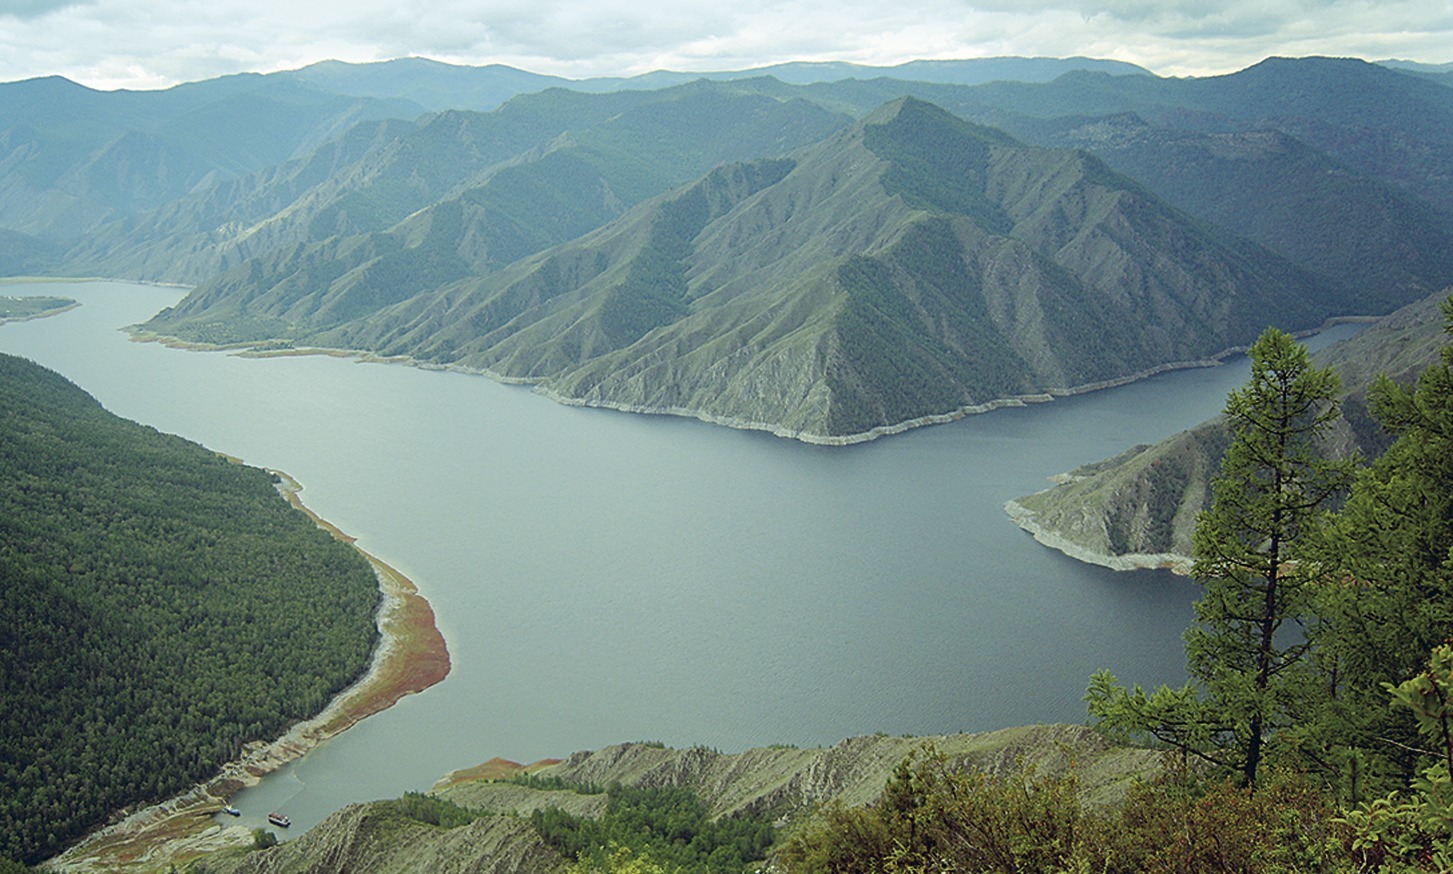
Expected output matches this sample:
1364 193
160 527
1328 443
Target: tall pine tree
1244 660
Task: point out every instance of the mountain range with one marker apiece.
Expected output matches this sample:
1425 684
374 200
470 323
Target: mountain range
845 288
798 248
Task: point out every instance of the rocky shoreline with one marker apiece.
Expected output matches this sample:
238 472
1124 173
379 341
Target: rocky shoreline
410 656
261 349
1024 518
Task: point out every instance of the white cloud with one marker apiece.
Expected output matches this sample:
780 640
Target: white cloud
151 43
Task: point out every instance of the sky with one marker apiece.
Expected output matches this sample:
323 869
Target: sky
144 44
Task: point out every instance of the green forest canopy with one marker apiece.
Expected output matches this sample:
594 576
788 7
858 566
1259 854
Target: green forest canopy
160 606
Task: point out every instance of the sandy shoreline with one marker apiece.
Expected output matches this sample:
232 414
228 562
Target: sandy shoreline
410 656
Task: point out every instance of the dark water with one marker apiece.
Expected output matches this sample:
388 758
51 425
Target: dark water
603 577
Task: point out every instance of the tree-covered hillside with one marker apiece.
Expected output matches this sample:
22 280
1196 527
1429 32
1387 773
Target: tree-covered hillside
160 606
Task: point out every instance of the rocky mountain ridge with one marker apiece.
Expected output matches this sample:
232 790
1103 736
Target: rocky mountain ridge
783 782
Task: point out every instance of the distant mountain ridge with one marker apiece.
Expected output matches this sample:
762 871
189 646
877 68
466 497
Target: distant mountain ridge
540 171
72 158
1379 242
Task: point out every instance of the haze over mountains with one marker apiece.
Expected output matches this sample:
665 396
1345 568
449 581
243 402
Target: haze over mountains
823 251
805 252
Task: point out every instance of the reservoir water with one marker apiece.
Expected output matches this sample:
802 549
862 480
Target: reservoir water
604 577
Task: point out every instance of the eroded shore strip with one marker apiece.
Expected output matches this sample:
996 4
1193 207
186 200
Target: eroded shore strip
410 656
1024 518
44 314
280 348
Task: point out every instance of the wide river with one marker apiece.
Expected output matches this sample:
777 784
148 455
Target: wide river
604 577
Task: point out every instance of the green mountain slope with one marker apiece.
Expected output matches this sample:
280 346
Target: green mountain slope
541 170
1139 509
24 255
160 606
1372 238
912 266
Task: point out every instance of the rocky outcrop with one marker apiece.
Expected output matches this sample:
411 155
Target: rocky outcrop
366 838
782 782
1139 509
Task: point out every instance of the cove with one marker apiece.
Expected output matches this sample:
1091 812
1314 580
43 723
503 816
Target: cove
604 577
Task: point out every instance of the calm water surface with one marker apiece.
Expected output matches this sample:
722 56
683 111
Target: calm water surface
603 577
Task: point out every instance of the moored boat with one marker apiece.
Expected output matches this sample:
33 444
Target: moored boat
279 820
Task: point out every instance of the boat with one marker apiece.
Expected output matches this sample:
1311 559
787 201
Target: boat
279 820
231 811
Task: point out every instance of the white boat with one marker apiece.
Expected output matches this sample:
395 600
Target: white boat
279 820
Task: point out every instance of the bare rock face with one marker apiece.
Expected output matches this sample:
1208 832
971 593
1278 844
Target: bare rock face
782 782
363 838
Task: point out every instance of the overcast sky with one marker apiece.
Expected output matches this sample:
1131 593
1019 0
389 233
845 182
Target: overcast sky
157 43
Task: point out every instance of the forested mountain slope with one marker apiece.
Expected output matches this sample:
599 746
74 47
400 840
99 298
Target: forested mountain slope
912 266
160 606
1140 508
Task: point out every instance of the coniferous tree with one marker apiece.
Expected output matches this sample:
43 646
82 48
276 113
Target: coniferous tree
1391 600
1246 665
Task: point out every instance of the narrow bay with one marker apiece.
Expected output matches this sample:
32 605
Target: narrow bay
603 577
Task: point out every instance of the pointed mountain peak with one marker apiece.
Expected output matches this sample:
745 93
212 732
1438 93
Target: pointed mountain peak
893 109
911 118
935 159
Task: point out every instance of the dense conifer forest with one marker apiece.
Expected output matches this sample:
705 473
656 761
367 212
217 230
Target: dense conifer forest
160 606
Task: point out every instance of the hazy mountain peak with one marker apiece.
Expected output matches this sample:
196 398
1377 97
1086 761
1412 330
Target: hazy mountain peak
923 127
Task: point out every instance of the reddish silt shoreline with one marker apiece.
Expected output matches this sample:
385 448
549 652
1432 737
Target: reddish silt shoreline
411 655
